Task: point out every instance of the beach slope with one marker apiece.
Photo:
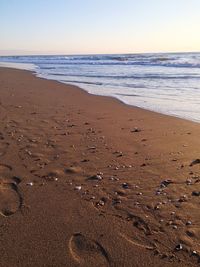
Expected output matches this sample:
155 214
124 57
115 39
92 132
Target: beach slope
88 181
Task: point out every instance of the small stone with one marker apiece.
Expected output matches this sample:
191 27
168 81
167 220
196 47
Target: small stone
143 165
158 192
188 181
135 130
166 182
196 193
137 203
112 178
183 198
125 185
96 177
194 253
194 162
30 184
116 201
179 247
101 203
78 187
188 223
92 147
84 160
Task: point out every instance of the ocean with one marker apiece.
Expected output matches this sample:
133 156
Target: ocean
167 83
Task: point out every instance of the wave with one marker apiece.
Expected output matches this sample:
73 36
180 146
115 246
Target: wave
145 76
187 60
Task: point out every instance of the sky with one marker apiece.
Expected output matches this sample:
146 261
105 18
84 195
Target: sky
98 26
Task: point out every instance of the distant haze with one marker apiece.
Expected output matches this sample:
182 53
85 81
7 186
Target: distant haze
100 26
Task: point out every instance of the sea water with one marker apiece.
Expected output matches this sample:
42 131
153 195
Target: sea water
168 83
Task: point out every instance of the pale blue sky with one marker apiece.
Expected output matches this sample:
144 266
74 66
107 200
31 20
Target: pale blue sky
98 26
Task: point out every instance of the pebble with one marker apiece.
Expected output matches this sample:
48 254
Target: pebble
96 177
157 207
179 247
78 187
196 193
137 203
143 165
166 182
30 184
125 185
85 160
101 203
188 181
135 130
183 198
114 178
194 253
116 201
188 223
158 192
92 147
194 162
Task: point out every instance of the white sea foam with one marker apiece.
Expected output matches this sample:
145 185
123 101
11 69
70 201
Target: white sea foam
22 66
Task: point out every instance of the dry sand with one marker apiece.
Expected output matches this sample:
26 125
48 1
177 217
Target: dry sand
88 181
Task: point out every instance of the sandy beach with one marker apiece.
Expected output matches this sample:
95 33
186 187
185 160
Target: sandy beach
89 181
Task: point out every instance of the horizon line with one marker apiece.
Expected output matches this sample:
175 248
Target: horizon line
35 53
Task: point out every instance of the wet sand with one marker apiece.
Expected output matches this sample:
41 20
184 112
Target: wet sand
89 181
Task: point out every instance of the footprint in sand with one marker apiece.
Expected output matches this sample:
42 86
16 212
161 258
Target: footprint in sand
3 148
10 198
5 168
1 136
139 242
87 252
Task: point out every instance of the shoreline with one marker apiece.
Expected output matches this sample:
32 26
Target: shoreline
85 90
88 180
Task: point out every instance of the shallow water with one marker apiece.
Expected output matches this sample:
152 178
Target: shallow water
166 83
